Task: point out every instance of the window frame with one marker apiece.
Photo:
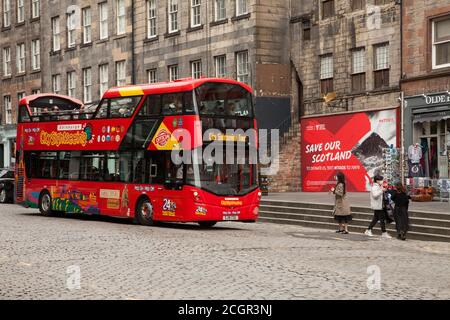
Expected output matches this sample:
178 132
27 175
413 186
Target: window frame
20 15
7 103
71 84
196 69
241 10
119 72
121 16
177 73
103 16
7 71
86 14
56 83
36 54
242 76
217 66
151 79
195 13
434 44
218 9
87 85
56 34
6 13
332 7
20 58
102 79
35 9
172 20
71 30
152 23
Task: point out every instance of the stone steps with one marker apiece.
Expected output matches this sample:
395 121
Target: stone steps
423 225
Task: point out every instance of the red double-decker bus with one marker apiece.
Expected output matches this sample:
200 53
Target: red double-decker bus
117 158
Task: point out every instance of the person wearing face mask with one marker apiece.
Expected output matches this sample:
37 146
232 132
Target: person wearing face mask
376 203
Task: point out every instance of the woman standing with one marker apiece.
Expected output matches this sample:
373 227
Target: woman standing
401 200
342 212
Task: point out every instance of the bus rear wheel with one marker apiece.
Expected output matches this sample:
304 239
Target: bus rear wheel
207 224
45 203
144 212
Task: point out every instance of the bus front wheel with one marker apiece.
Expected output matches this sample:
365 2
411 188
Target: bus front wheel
144 212
45 203
207 224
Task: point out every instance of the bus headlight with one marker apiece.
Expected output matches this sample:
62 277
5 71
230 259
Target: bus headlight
256 211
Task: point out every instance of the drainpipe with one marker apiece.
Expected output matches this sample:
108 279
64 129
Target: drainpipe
133 47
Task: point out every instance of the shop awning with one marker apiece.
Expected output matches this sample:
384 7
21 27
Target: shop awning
431 116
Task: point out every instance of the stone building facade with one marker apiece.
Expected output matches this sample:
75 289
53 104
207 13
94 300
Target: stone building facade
20 66
426 84
347 47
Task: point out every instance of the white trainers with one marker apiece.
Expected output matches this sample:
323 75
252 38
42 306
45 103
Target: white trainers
368 233
385 235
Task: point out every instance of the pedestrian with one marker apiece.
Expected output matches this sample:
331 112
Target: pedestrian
401 200
342 213
376 203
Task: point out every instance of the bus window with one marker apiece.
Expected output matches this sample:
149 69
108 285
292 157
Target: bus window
64 165
102 111
123 107
151 107
23 114
47 167
74 166
92 166
172 104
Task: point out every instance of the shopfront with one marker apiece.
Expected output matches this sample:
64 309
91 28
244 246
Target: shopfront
427 140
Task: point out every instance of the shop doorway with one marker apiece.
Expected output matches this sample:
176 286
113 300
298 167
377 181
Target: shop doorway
2 156
429 159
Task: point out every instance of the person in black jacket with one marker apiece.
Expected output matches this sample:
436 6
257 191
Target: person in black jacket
401 200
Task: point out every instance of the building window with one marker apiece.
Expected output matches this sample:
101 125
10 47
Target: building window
220 11
7 62
381 2
35 54
196 69
121 78
327 9
359 70
241 7
220 64
326 73
381 68
36 91
306 28
121 23
242 67
35 9
151 18
152 76
103 17
173 16
358 4
8 110
20 11
56 83
441 43
56 41
71 84
103 71
173 73
71 25
20 58
20 96
195 13
87 25
6 13
87 85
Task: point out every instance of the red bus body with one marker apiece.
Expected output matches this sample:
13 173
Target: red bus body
115 198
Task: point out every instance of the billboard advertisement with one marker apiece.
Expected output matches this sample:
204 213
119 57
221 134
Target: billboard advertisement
352 143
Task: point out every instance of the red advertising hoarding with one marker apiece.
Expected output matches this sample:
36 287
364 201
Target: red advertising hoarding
350 143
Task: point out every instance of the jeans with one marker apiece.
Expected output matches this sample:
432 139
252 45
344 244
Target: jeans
378 215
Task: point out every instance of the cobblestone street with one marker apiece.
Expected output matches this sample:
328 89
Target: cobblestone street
119 260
